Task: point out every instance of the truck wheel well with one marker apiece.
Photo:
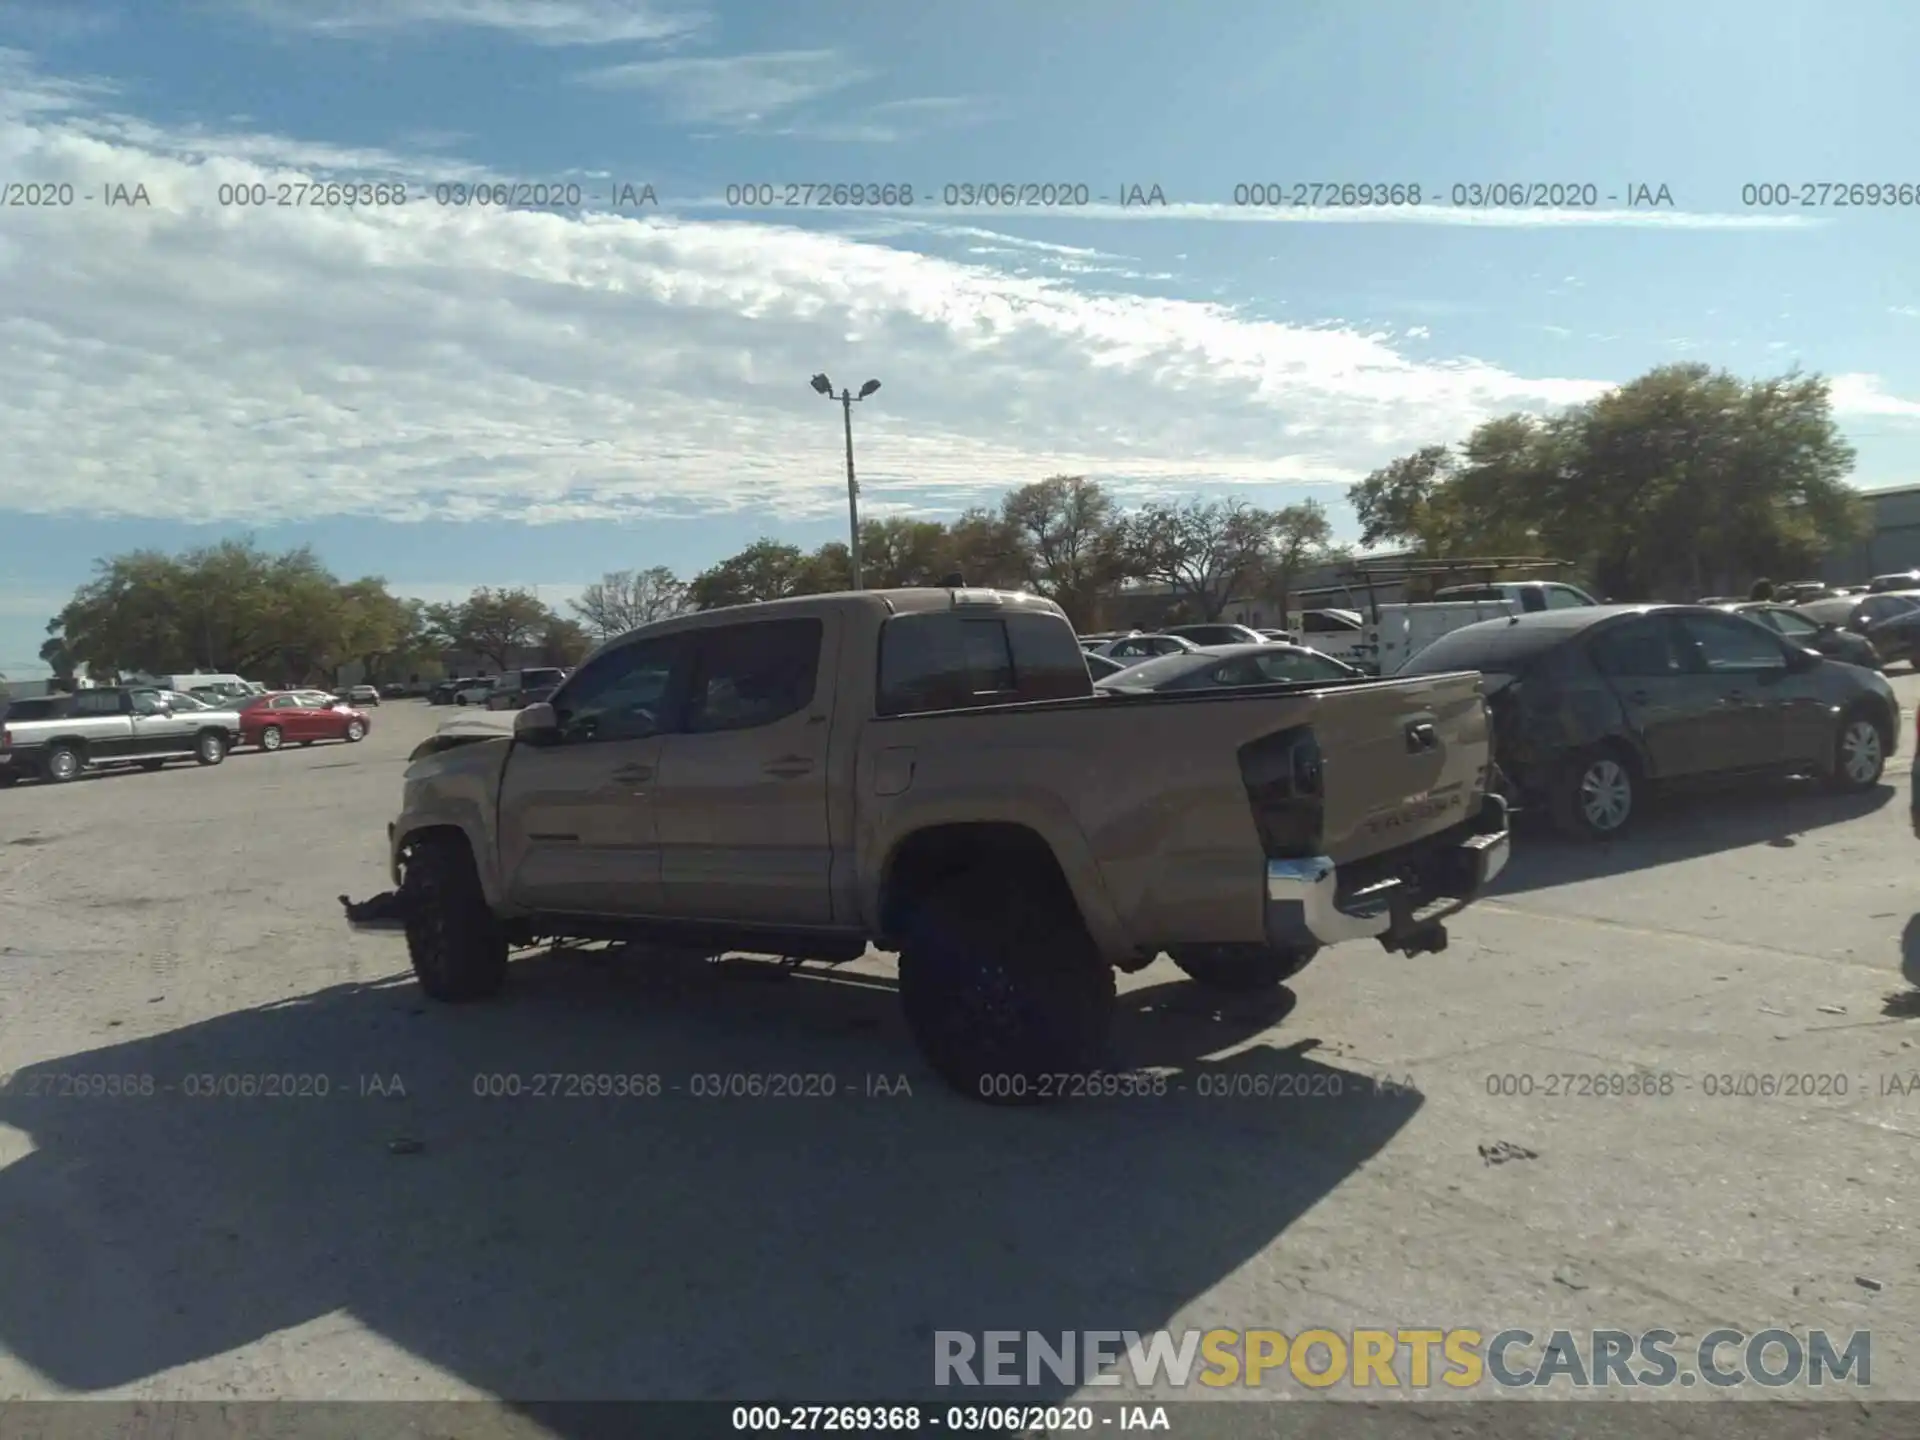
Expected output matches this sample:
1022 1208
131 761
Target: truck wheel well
929 858
427 833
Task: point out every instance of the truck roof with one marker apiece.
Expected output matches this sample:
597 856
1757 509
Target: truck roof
911 600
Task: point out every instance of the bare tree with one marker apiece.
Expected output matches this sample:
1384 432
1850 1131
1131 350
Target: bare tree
1069 533
623 600
1205 551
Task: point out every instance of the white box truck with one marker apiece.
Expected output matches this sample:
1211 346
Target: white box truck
1403 631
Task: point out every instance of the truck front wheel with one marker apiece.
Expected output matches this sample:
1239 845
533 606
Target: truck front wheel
1241 971
457 945
1003 989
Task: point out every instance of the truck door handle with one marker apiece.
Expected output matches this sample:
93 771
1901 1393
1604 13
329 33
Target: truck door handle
1421 736
633 774
789 767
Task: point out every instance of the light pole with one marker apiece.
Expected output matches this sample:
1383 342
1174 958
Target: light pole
846 398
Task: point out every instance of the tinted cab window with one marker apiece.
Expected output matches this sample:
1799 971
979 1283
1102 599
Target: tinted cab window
746 676
952 660
621 695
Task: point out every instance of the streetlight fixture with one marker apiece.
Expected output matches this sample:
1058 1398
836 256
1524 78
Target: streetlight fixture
846 398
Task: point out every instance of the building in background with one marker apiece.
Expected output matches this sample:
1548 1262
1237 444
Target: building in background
1892 541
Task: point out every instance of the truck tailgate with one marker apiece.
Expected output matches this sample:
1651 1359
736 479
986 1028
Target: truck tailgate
1403 759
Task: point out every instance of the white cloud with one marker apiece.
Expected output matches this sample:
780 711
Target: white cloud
733 89
199 363
1864 395
1186 211
542 22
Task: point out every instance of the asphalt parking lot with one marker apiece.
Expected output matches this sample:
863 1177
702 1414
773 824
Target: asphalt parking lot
402 1236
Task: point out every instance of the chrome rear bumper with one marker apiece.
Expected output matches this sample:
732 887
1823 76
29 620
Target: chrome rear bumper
1306 907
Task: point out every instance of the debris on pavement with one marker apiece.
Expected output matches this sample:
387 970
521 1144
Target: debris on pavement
1501 1151
1831 1009
1570 1278
383 909
1866 1284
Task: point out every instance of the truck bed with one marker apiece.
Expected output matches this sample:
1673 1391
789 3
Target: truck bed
1163 801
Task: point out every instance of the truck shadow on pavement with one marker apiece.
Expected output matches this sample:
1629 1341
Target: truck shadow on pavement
552 1247
1682 825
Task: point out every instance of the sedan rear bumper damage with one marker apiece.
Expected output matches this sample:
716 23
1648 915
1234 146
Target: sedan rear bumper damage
1398 899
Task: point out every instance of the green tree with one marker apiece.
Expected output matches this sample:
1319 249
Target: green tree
1684 482
765 570
985 549
492 623
1296 536
566 642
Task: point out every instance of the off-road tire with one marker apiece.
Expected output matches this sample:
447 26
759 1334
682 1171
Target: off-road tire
210 748
1003 989
61 764
1242 974
1857 726
456 943
1572 798
272 738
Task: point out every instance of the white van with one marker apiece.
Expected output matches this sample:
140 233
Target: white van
229 686
1403 631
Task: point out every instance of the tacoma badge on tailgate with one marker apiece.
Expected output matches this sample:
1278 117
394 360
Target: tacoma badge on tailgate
1420 810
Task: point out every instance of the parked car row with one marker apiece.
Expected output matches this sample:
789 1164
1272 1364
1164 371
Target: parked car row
1593 706
510 690
56 738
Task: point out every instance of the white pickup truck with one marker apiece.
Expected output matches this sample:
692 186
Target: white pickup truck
55 738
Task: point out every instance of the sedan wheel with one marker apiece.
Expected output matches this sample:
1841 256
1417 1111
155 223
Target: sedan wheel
356 732
270 738
1861 756
1595 799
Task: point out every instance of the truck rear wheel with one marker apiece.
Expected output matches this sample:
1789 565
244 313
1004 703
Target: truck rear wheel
61 764
457 945
1243 972
1003 989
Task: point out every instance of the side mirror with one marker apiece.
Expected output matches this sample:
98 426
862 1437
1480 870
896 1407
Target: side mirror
537 724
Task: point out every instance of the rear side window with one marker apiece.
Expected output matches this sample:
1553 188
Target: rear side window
1639 649
746 676
951 661
24 710
97 702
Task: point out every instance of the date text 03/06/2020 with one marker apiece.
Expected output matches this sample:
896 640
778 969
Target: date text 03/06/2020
956 1419
1715 1085
1036 195
1462 195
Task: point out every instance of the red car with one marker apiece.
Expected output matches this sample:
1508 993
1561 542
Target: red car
301 717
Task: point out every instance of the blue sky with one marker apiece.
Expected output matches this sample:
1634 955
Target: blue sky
450 396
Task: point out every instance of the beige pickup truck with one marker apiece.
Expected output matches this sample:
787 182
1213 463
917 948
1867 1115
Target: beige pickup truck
931 772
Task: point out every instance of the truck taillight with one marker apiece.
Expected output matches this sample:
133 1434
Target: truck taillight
1286 791
6 738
